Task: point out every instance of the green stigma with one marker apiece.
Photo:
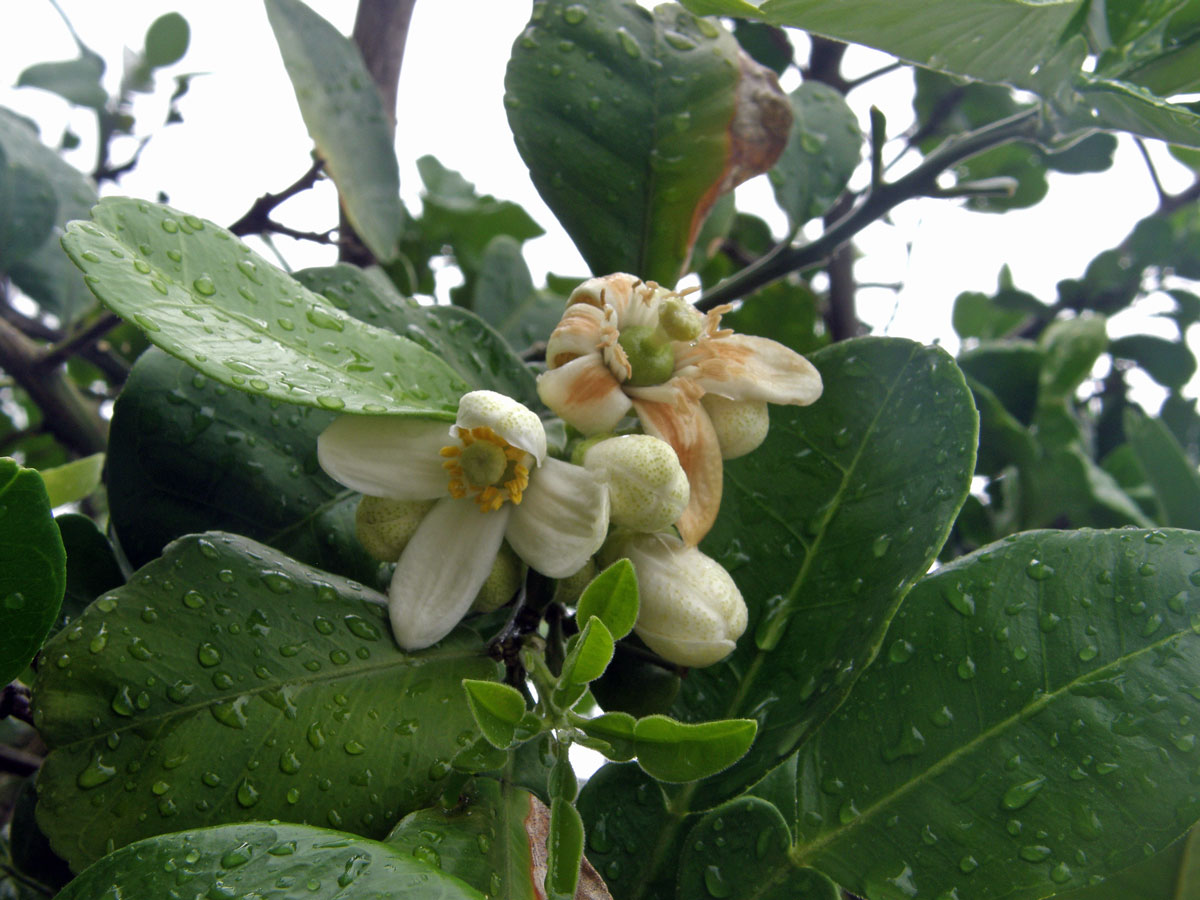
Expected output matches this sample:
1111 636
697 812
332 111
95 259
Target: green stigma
651 359
483 463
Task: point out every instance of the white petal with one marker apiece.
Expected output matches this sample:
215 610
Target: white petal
511 420
745 367
442 569
585 394
385 456
562 519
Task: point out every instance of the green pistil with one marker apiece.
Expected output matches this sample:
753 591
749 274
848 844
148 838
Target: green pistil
650 357
678 321
483 463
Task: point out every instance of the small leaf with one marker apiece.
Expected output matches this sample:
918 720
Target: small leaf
73 481
344 113
201 294
977 315
614 730
167 40
1173 477
92 567
1070 347
822 152
75 80
505 297
28 208
295 670
612 597
564 850
33 565
590 654
677 752
1170 363
256 859
728 851
497 709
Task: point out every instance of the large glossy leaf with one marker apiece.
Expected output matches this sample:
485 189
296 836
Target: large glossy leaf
728 851
344 113
457 336
28 208
228 682
201 294
33 567
825 527
1173 874
1030 725
623 118
505 297
45 274
188 454
1171 474
264 860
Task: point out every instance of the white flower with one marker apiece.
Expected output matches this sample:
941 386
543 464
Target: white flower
690 612
492 481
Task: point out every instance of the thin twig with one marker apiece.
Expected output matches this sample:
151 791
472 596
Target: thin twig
1158 185
257 218
59 353
870 76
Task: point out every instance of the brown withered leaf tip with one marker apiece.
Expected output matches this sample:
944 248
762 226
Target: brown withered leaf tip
537 829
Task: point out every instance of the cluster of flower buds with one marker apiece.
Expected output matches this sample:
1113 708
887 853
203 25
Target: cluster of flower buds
465 513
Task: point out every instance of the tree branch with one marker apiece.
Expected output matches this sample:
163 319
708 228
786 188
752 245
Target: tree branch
257 219
919 182
57 355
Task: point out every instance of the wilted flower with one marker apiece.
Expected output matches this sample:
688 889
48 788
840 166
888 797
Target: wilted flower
690 611
625 343
492 481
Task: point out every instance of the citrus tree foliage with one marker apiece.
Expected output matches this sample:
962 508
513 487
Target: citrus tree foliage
968 660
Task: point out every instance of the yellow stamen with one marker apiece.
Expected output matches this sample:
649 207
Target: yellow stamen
509 485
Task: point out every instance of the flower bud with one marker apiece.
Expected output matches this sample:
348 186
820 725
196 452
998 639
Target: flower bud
383 525
647 488
741 425
690 612
502 582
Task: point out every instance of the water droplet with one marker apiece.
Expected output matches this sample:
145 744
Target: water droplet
354 748
1020 795
360 627
881 545
628 43
96 774
204 286
1038 570
315 737
966 668
575 14
716 884
170 226
193 600
900 651
16 600
208 655
968 864
1088 653
962 602
1034 852
330 401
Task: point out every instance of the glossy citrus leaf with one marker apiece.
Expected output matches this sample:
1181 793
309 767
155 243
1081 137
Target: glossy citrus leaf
1173 874
497 709
1168 362
685 751
612 596
167 40
202 295
33 567
1027 727
45 274
505 297
344 113
824 528
188 454
28 208
590 653
1171 474
92 567
75 80
265 860
1070 347
318 716
564 850
729 852
623 117
71 482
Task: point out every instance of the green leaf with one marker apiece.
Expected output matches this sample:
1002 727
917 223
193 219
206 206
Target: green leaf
727 852
505 297
589 655
978 315
260 859
1044 685
1170 363
75 80
46 274
293 668
483 840
623 119
822 153
612 597
201 294
678 752
187 454
497 708
1070 348
824 528
1172 475
27 211
92 567
1173 874
564 850
457 336
345 117
167 40
787 312
630 832
33 570
73 481
1121 105
615 732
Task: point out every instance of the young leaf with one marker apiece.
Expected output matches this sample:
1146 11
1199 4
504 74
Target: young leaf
564 850
258 859
825 527
1070 348
75 80
728 851
344 113
293 667
201 294
73 481
678 752
497 709
590 654
1172 475
33 567
92 567
167 40
611 597
505 297
45 274
187 454
613 734
1170 363
1031 691
624 119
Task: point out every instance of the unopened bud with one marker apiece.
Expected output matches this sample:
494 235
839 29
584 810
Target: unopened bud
384 526
741 425
502 582
647 488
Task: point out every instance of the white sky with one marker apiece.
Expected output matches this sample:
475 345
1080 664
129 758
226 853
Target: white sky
243 135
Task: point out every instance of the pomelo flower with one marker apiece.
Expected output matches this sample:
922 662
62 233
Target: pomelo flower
626 344
492 481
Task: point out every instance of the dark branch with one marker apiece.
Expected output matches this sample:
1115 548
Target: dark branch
257 218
